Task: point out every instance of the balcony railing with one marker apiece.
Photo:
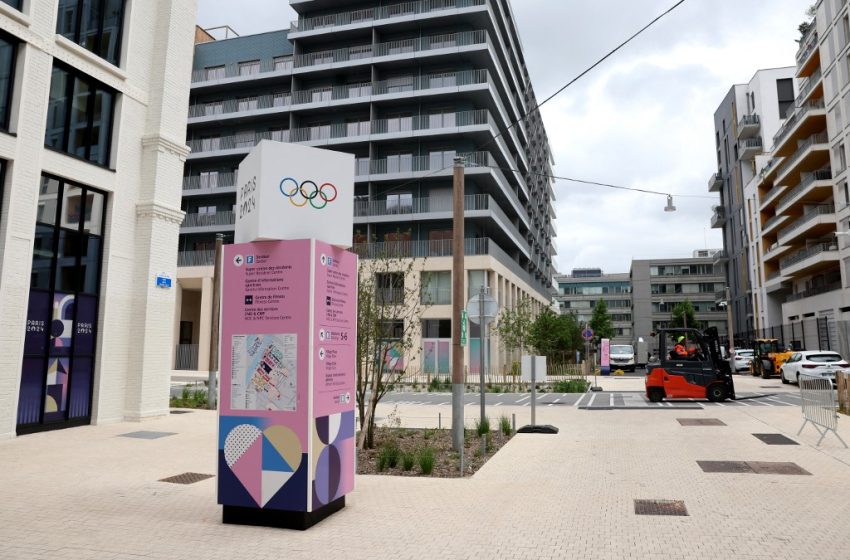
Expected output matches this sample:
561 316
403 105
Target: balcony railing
282 65
807 85
186 357
196 258
226 218
435 121
806 180
719 217
419 249
794 117
716 182
414 164
212 181
802 146
748 124
379 13
394 206
391 48
236 142
807 45
749 147
240 105
329 131
769 222
821 210
814 292
807 253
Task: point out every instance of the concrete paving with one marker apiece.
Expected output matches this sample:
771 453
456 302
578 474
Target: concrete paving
87 493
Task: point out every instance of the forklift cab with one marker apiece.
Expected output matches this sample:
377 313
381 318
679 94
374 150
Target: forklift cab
689 366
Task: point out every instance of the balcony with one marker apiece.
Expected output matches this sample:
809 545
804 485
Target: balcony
718 220
808 46
232 145
811 153
234 72
814 187
360 54
816 256
816 222
195 258
834 286
795 121
301 27
748 126
772 195
808 86
208 222
749 148
772 222
257 105
720 257
716 182
209 183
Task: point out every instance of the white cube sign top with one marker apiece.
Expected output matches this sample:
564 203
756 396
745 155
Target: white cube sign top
288 191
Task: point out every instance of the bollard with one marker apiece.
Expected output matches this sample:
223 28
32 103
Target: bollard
513 421
439 420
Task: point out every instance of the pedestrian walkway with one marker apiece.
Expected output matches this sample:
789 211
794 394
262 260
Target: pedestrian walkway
91 493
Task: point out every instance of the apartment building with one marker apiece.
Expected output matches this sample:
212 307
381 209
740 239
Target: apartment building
659 284
744 125
801 190
406 88
92 137
580 291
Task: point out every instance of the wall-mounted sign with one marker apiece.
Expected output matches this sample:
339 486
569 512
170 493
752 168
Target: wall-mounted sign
163 281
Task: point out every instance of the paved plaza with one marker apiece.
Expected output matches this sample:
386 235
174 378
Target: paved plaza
89 493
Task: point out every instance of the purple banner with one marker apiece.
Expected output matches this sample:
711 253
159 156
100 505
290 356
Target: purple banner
84 330
38 320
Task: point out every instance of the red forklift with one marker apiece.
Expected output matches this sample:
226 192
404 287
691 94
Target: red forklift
702 374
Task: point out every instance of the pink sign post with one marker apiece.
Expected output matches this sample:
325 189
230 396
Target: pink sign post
286 449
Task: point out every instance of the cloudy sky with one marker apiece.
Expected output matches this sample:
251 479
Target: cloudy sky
642 119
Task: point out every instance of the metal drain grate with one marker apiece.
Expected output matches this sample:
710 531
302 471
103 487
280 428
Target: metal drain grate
700 422
776 439
187 478
147 435
660 507
181 411
752 467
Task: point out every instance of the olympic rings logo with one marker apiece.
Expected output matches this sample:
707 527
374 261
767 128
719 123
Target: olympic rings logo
307 192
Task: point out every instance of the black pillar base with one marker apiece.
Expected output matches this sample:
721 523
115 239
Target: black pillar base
299 520
538 429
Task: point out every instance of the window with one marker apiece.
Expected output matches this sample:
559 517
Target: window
14 3
846 192
785 95
7 78
95 25
79 115
215 72
282 63
400 203
249 68
840 158
389 288
436 288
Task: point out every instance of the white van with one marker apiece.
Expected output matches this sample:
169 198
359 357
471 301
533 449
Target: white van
622 356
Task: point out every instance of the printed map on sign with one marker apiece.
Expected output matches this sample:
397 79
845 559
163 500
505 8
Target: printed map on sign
263 370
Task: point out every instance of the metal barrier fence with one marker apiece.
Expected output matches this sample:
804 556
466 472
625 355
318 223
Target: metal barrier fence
819 406
496 376
811 333
842 381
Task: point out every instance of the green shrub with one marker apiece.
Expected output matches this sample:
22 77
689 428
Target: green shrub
426 460
388 456
570 386
505 425
482 426
407 461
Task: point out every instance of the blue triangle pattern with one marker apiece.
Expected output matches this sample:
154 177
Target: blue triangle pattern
272 460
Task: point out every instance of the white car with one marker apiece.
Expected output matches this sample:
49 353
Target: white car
742 360
622 356
823 363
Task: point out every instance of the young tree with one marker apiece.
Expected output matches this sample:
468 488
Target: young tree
513 327
555 336
601 322
683 315
388 311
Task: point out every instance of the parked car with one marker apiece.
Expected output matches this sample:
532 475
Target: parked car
823 363
622 356
743 359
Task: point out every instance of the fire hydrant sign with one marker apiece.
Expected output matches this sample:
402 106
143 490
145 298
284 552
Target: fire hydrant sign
286 419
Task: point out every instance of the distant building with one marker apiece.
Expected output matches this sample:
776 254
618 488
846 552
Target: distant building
579 292
659 284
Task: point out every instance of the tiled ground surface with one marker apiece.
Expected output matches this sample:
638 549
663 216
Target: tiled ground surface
88 494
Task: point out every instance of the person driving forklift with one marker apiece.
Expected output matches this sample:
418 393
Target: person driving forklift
681 351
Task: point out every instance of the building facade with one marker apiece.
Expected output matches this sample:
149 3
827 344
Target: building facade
744 126
801 188
92 137
579 292
405 88
659 284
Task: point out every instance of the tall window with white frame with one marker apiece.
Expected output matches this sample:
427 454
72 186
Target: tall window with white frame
17 4
79 115
8 52
95 25
58 367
